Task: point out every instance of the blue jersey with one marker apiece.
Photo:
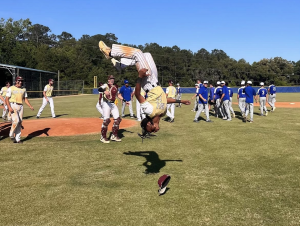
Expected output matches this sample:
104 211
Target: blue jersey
241 92
211 93
126 93
178 90
250 92
218 92
262 92
226 92
204 93
200 85
272 89
230 92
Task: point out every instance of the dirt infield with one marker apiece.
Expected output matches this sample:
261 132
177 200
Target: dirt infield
62 127
282 104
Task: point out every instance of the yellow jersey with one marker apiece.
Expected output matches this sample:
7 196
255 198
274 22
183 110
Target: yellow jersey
157 98
171 91
3 91
48 89
16 94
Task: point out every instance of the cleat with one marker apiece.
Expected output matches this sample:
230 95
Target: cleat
116 64
139 120
251 121
224 118
196 121
18 142
104 49
266 113
229 120
13 140
233 115
115 138
101 117
37 116
104 140
131 116
209 120
244 119
171 120
274 108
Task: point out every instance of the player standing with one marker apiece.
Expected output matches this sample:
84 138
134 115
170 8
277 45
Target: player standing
241 96
2 99
47 93
171 93
211 97
14 101
262 92
203 105
109 92
230 101
125 94
178 96
225 101
272 96
250 93
217 96
98 105
197 98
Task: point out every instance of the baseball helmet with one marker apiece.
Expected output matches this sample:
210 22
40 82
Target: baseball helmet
218 82
243 82
126 81
261 83
249 82
205 82
111 77
51 80
222 82
19 78
170 81
162 183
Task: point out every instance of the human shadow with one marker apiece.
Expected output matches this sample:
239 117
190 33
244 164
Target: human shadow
37 133
4 130
57 116
121 131
153 163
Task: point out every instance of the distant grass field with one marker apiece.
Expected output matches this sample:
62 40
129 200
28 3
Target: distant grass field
223 173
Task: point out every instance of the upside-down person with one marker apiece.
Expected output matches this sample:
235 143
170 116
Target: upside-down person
155 105
108 94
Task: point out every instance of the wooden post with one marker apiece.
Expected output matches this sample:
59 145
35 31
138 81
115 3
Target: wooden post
58 80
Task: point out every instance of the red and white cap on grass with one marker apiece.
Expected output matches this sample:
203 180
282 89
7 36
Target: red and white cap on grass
162 183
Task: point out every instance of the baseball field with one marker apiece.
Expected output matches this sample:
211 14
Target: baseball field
222 173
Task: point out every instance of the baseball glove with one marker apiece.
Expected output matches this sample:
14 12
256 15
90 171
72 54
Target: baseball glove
113 92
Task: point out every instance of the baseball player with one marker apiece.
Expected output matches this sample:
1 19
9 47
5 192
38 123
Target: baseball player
272 96
250 93
126 94
178 96
14 101
155 105
109 93
211 97
241 96
225 101
217 96
171 93
199 83
197 98
2 100
230 101
262 92
98 105
203 102
47 93
139 112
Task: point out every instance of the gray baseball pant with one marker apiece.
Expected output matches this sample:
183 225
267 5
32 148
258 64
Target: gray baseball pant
230 106
262 101
130 107
219 110
249 108
225 105
178 97
200 109
272 100
196 103
242 105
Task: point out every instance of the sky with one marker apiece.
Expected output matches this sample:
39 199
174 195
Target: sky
249 29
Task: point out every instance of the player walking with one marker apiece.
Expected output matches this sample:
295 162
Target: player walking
155 105
241 96
109 92
225 101
178 96
262 92
250 93
14 101
217 96
272 96
126 94
47 93
171 93
2 100
230 101
203 102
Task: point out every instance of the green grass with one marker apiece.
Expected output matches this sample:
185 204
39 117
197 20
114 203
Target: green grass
230 173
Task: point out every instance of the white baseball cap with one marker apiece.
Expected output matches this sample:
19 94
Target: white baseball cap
218 82
243 82
205 82
178 84
196 84
261 83
249 82
222 82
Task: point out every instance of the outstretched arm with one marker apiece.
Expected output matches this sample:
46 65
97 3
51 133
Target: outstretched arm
171 100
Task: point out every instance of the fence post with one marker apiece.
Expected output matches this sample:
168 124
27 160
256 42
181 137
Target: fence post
58 80
82 86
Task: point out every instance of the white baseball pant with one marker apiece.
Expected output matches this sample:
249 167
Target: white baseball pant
242 105
230 106
139 111
17 117
200 109
272 100
171 113
262 101
225 105
108 108
219 110
99 108
45 102
130 107
249 108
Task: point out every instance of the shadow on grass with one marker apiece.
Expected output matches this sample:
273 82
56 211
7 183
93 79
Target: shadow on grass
37 133
121 131
4 130
153 163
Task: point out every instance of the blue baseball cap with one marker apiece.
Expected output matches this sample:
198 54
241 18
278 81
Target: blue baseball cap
126 82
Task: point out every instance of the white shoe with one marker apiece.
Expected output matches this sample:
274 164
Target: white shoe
224 118
105 141
114 138
266 113
274 108
104 49
233 115
139 120
229 120
116 64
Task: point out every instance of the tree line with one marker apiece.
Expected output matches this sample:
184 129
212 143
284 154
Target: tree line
34 45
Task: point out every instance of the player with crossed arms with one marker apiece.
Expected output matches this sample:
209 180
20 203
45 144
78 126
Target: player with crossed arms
155 105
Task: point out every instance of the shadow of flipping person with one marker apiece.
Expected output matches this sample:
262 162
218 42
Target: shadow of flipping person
121 131
153 163
4 130
37 133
